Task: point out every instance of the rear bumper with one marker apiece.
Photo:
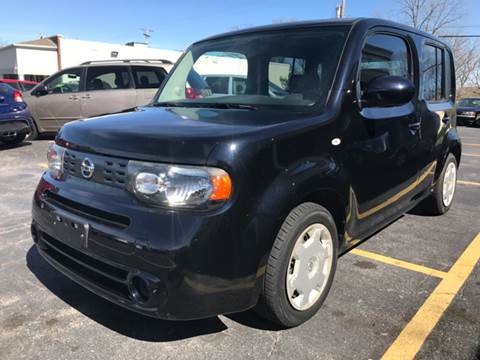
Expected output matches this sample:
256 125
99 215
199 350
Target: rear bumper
190 264
15 124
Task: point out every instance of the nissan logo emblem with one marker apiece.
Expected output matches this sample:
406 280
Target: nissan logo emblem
87 168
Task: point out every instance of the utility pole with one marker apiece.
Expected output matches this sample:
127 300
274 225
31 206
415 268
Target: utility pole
340 10
147 34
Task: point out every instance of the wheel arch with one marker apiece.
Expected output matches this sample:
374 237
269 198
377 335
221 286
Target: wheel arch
335 202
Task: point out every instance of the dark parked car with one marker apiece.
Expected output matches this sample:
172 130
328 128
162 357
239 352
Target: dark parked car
468 111
15 119
217 203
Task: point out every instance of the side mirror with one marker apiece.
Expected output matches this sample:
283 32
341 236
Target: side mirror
40 91
385 91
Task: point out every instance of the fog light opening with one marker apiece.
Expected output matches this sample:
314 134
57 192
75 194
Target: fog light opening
139 289
33 230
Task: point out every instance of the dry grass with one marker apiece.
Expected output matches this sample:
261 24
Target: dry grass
468 92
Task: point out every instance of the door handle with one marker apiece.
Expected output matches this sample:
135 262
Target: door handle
73 97
415 126
87 96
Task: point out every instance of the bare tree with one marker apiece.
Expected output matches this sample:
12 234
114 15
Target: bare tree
439 17
432 16
466 60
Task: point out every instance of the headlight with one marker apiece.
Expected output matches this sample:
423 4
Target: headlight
55 160
179 186
469 113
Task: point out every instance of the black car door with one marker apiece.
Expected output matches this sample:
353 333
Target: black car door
383 150
436 105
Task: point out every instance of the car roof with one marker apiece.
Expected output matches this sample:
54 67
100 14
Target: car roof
122 62
368 22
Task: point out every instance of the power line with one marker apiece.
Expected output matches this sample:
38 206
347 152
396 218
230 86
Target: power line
461 26
459 36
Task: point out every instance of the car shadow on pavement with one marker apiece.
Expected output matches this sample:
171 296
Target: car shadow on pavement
5 146
112 316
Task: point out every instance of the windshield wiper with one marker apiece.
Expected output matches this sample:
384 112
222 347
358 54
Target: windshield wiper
170 104
226 106
206 105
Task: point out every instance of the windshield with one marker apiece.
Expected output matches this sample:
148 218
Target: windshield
279 70
469 102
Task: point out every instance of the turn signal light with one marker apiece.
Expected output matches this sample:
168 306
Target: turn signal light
222 187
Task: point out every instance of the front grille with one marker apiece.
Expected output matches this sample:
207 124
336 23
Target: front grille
109 277
108 170
88 212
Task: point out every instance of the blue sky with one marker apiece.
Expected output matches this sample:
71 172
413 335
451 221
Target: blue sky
176 23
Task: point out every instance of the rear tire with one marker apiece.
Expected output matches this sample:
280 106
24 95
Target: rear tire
33 132
442 197
301 266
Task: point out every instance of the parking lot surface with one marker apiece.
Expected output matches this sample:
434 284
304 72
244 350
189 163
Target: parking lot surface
412 290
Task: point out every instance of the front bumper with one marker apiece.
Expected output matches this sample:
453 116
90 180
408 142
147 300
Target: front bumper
191 264
468 120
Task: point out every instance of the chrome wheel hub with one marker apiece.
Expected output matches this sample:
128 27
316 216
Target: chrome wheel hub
309 266
449 182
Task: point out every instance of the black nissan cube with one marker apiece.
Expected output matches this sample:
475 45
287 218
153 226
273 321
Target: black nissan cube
266 154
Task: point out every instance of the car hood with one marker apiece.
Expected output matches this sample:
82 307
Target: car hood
185 135
468 108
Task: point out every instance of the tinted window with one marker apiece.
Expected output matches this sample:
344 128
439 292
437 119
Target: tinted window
433 82
107 78
28 87
218 84
217 67
148 77
65 82
239 85
383 55
288 74
16 85
469 102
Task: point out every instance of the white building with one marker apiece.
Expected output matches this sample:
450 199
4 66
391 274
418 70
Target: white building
36 59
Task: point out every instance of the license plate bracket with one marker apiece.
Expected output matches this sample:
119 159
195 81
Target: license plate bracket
70 229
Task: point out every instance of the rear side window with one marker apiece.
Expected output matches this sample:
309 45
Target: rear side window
107 78
384 55
433 73
148 77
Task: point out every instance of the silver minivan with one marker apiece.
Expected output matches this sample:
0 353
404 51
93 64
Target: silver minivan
94 88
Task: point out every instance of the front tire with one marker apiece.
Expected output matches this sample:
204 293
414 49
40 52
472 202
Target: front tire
301 266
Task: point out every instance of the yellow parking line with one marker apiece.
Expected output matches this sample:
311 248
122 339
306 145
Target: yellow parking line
400 263
470 144
476 155
412 337
43 166
465 182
